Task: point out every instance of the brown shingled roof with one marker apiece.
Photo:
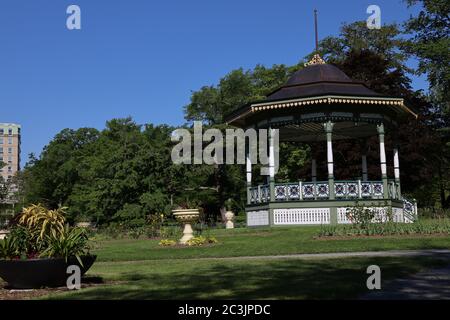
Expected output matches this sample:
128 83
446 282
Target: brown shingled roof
318 80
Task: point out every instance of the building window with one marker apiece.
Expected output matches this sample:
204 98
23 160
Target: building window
10 132
1 140
9 150
2 131
10 140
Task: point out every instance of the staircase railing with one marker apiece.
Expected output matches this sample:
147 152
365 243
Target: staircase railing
409 210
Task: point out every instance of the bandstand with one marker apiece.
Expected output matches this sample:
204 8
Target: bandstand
321 104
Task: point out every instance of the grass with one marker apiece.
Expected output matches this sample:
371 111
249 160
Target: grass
239 279
141 269
260 242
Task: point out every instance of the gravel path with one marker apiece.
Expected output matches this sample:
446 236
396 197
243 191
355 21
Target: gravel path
307 256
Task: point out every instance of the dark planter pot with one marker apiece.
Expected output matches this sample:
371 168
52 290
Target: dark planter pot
38 273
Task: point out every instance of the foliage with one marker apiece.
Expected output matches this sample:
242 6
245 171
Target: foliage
211 103
9 248
167 243
37 218
201 240
360 215
427 227
433 213
121 174
429 41
40 232
356 37
155 223
71 242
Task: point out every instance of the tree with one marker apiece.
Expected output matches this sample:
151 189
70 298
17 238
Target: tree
211 103
430 42
356 37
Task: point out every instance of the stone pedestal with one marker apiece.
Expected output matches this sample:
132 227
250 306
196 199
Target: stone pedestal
186 216
229 215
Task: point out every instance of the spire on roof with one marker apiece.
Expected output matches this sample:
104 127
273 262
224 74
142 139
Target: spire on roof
316 59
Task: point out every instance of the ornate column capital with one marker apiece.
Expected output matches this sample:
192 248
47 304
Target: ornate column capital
380 129
328 126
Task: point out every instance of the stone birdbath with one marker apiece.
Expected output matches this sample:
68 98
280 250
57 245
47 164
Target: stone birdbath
187 217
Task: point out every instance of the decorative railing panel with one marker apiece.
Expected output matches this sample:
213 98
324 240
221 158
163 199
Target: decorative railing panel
307 191
394 190
260 194
409 210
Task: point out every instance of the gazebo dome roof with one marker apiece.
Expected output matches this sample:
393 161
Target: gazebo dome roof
320 92
317 73
320 79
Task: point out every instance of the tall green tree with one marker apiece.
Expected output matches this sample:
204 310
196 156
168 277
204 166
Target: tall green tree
429 41
211 103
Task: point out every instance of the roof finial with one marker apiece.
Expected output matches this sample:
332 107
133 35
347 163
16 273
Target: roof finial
316 59
316 31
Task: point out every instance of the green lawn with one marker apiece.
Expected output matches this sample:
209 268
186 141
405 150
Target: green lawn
257 242
141 269
237 279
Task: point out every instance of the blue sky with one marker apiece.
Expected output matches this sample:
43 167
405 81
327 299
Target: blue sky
142 58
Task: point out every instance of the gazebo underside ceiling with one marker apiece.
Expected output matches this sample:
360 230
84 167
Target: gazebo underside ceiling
310 132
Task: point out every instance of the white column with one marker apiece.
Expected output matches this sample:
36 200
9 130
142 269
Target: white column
330 158
248 163
397 172
314 170
329 132
364 167
271 154
396 164
380 129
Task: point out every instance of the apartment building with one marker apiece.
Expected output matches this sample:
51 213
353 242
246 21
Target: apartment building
9 149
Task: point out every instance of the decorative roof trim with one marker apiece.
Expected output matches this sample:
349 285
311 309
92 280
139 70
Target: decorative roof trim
331 99
316 59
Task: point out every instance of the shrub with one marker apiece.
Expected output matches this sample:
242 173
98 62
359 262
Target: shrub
39 219
170 232
42 232
155 222
200 240
167 243
71 242
436 226
360 215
